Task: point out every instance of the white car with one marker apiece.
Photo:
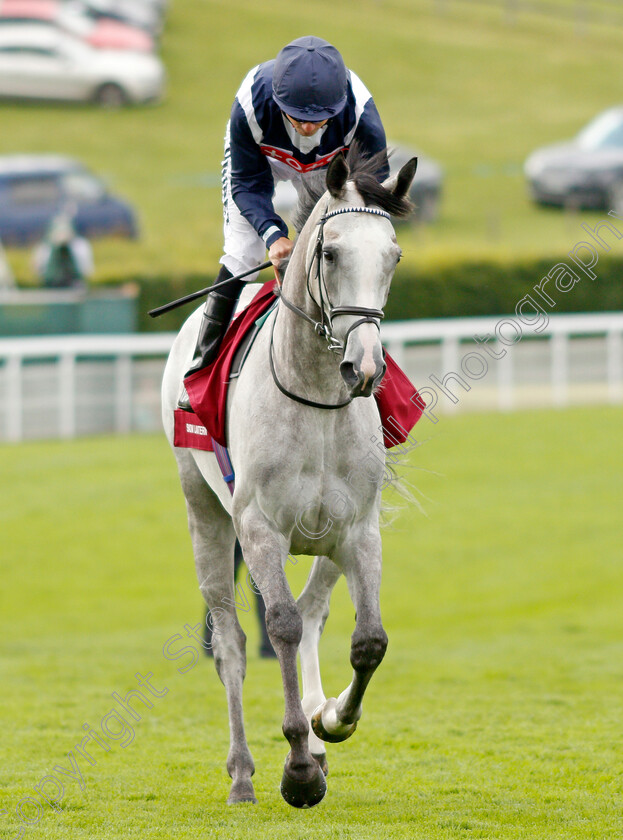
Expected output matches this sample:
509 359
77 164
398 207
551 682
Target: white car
41 62
74 18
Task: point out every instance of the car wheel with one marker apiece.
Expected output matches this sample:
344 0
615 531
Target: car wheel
615 197
111 95
429 206
426 206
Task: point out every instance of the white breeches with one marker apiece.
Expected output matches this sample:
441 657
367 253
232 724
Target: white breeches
243 247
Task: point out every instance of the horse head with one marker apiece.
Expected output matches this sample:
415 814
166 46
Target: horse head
356 256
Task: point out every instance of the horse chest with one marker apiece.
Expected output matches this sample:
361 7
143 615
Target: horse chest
318 521
321 499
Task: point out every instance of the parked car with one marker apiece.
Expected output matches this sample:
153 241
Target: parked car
73 17
135 13
40 62
425 192
34 189
585 172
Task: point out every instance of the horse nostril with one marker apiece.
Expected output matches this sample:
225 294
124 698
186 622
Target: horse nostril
350 374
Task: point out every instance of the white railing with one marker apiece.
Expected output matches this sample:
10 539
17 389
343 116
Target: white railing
65 386
571 359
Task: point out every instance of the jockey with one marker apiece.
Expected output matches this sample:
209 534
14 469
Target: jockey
290 117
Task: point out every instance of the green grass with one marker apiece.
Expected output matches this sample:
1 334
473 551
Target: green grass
464 85
496 713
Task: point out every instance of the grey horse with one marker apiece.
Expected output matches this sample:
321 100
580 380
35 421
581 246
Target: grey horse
298 440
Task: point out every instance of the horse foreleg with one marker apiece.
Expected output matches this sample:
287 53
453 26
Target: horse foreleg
336 719
313 604
213 541
265 552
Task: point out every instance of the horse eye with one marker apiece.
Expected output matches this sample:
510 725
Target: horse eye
328 256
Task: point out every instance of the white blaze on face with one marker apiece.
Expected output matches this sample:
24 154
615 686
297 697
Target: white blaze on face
362 286
369 337
364 253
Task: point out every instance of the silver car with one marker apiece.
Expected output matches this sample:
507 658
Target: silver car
134 12
584 172
41 62
425 192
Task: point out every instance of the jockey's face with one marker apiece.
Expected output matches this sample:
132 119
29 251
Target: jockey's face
305 129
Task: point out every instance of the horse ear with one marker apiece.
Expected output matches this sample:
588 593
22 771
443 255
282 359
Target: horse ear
337 173
400 184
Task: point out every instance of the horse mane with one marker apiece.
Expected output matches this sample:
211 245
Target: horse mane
363 171
308 198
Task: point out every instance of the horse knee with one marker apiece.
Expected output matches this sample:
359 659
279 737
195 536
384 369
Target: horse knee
284 623
367 651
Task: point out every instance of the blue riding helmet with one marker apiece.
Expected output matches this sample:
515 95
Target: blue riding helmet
310 80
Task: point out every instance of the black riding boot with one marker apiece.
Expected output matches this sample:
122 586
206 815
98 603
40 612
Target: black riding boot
217 313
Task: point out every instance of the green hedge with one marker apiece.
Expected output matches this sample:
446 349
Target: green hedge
156 291
454 290
489 288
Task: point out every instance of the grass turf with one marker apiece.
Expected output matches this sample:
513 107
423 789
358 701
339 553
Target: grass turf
496 713
455 79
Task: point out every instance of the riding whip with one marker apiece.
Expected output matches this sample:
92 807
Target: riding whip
167 307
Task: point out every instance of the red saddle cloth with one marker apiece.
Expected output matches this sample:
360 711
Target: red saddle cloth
399 403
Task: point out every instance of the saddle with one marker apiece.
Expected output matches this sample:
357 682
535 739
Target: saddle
399 403
246 342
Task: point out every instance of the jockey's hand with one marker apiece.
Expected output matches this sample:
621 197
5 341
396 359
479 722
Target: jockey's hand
280 250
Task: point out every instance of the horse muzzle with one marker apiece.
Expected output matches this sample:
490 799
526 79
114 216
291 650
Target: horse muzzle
363 371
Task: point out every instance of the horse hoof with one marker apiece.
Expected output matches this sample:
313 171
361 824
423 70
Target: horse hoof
340 731
321 758
303 794
241 792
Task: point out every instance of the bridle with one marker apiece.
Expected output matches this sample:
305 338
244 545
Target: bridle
324 327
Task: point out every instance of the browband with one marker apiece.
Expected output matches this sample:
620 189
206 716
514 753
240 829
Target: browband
371 210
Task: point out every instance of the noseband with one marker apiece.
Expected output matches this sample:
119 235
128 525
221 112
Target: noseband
324 327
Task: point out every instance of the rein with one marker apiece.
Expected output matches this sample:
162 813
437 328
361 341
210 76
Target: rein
324 327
